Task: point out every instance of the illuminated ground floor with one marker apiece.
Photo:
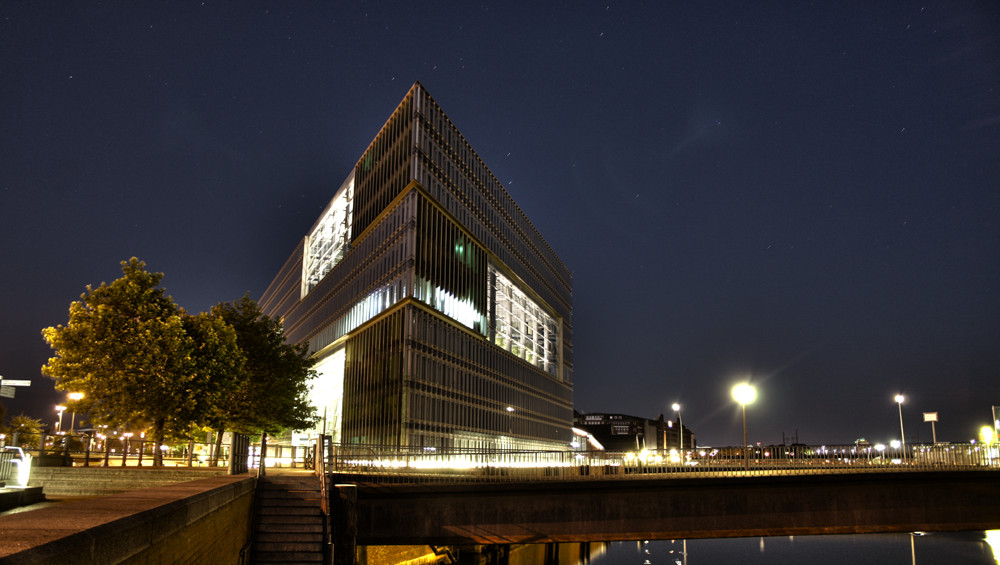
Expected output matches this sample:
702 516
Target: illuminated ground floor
414 378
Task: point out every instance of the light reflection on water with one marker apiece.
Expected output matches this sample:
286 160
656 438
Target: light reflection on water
971 548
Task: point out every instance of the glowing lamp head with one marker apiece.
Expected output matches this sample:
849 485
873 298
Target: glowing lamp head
744 393
75 396
676 407
899 399
986 434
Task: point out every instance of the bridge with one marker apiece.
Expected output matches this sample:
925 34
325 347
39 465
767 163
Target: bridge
675 508
504 498
460 498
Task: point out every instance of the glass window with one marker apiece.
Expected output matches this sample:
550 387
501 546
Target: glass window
328 242
522 326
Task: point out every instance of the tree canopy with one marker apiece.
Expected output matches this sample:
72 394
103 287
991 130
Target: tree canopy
272 389
27 429
139 358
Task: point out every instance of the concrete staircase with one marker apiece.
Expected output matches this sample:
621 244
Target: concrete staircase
58 482
288 524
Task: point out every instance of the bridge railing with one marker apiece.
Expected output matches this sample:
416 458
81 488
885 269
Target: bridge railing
439 465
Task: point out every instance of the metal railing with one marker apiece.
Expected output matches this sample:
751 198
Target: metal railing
86 451
465 465
379 464
239 452
322 458
8 470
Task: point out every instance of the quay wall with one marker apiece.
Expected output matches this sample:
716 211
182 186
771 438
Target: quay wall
676 507
201 521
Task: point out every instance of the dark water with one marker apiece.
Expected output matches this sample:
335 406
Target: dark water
959 548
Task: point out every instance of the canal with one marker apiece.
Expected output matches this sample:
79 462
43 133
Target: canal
944 548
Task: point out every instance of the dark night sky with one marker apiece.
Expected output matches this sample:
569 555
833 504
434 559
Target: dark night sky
807 195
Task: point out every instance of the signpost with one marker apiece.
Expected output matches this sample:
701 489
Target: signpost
932 418
7 387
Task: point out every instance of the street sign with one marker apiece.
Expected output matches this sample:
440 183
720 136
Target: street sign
7 391
8 382
930 417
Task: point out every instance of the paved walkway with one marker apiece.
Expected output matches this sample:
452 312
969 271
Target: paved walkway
64 522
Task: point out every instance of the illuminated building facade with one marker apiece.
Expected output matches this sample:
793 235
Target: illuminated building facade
621 432
438 315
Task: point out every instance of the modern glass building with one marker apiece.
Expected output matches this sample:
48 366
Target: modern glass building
438 315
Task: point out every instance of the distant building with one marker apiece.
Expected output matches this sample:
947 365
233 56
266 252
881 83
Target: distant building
621 432
438 315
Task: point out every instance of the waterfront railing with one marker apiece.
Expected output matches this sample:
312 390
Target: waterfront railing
379 464
426 464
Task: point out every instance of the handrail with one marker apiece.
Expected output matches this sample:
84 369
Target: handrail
320 459
365 462
113 451
245 555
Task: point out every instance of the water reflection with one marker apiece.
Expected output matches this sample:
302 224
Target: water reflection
880 549
972 548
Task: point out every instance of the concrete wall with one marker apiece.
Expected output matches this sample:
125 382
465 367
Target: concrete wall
62 482
202 521
675 508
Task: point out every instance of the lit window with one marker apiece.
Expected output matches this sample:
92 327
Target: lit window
328 242
522 326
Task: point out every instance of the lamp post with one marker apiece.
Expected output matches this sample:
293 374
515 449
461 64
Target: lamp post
745 393
59 408
902 435
680 432
75 397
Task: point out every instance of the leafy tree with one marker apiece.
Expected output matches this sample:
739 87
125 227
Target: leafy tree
27 429
138 357
273 388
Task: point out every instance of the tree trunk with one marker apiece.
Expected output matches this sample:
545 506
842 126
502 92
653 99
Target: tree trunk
218 447
157 442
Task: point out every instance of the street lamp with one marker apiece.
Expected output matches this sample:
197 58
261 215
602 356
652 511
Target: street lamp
902 435
75 397
745 393
680 433
59 408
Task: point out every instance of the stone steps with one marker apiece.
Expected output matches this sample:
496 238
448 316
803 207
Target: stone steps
288 524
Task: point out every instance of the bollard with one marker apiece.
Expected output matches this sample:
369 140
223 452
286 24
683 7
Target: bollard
318 454
261 467
344 518
107 451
